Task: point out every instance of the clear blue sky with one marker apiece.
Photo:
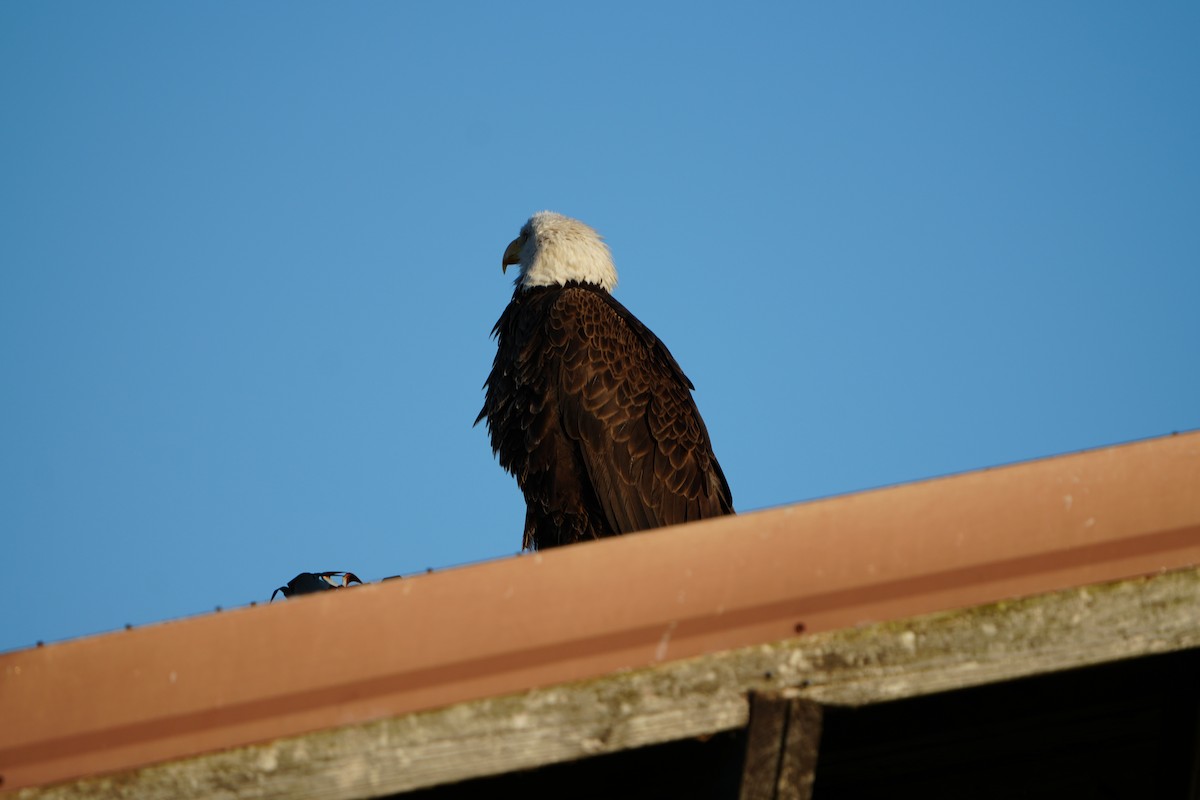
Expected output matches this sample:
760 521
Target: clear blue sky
250 260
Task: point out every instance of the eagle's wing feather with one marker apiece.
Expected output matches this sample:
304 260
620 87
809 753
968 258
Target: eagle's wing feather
624 400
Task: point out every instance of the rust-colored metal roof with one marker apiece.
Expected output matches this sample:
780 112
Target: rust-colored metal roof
181 688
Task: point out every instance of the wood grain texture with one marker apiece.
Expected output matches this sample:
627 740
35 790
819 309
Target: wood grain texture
782 743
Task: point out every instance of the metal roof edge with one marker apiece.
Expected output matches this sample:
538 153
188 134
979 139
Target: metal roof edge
118 701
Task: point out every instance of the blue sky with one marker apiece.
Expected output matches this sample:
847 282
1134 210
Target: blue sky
249 261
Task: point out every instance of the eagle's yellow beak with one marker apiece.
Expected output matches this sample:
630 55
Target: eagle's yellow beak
512 253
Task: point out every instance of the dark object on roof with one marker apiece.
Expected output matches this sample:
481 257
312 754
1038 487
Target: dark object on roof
308 582
586 406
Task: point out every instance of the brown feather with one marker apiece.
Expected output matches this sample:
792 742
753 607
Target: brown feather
591 413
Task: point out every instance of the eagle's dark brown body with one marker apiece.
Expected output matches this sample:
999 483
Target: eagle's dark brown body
590 412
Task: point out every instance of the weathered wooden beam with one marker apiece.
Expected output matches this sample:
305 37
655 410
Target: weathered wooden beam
782 743
870 664
801 745
765 733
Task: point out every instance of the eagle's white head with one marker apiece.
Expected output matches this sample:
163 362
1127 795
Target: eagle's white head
553 249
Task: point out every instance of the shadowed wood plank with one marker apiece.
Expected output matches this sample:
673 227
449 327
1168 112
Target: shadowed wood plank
782 744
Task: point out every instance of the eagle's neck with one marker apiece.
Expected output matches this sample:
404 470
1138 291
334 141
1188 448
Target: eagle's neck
569 260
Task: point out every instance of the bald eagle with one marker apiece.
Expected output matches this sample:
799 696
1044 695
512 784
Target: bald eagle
585 406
